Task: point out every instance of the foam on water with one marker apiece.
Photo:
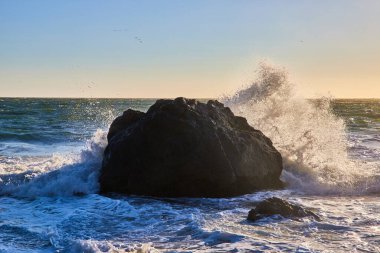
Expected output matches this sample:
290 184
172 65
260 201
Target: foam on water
58 175
95 223
312 140
93 246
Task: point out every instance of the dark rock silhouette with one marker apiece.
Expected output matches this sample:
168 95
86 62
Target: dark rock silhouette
185 148
273 206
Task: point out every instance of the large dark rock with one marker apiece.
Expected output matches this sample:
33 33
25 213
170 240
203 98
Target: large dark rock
273 206
183 147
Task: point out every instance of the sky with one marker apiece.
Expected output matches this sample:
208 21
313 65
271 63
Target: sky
198 48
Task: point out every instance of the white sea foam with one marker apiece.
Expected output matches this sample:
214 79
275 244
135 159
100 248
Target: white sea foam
93 246
58 175
311 139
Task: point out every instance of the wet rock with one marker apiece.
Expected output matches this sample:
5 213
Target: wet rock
277 206
183 147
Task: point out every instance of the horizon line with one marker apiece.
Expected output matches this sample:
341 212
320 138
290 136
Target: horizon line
152 98
108 97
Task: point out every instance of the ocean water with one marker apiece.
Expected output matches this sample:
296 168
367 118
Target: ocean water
51 151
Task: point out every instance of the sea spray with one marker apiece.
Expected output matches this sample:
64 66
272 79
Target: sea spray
59 175
311 139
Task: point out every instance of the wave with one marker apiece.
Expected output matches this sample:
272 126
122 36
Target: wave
58 175
311 138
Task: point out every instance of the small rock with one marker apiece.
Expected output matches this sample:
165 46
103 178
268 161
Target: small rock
273 206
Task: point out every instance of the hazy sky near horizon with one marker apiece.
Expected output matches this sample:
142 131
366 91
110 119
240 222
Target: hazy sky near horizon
83 48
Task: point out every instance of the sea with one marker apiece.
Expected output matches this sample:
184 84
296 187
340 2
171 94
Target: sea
51 152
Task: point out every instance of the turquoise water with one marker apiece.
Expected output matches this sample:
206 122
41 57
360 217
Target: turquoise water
51 151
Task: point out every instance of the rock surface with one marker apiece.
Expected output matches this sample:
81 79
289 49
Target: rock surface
185 148
273 206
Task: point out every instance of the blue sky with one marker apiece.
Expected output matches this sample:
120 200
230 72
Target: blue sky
78 48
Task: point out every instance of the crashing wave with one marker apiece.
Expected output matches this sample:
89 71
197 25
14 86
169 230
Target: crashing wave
59 175
311 139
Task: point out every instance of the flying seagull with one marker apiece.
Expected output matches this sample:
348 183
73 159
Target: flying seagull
138 39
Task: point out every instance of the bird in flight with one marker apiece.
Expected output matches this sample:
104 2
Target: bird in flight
138 39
